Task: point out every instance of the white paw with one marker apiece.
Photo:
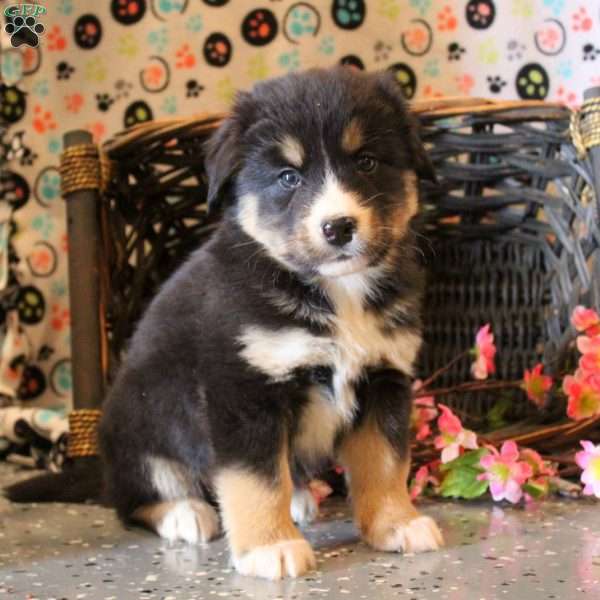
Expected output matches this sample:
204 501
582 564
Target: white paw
191 521
304 507
419 535
290 558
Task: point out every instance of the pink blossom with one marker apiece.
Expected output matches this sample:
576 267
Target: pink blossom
505 473
484 352
537 385
453 435
424 411
583 394
589 460
423 477
589 347
586 320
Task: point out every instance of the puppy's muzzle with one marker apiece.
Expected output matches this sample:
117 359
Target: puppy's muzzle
339 232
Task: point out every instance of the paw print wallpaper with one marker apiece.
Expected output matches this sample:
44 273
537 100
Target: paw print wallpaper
105 65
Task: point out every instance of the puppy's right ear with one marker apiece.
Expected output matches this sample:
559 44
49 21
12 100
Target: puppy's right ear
223 152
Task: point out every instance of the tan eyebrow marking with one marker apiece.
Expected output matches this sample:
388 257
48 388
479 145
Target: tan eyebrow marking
352 138
292 150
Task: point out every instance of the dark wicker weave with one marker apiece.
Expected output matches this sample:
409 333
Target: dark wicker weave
511 229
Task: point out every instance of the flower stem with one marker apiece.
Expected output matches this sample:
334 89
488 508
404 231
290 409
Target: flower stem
470 386
441 371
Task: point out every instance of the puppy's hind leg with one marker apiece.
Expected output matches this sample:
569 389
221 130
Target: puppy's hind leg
180 514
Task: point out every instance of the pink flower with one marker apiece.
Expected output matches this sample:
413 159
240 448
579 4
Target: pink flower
589 460
423 477
423 412
484 353
537 385
584 395
590 349
505 473
586 320
453 435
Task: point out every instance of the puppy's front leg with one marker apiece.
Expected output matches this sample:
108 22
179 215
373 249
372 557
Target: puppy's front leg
255 508
376 454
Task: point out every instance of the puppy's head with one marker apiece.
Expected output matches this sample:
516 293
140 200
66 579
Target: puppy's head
321 168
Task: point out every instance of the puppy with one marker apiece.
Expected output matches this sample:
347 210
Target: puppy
287 340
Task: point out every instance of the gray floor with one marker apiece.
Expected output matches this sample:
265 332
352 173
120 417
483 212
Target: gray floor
68 551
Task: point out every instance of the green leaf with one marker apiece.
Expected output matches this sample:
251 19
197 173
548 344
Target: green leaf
462 482
495 416
470 458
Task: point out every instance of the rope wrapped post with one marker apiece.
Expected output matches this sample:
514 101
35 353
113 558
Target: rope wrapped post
81 183
591 134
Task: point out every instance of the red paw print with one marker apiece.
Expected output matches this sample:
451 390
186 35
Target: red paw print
446 19
42 119
185 59
429 92
61 317
567 97
98 131
74 102
581 20
465 83
56 39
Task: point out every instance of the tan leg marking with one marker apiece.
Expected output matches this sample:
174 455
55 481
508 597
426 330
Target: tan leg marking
383 510
191 520
256 516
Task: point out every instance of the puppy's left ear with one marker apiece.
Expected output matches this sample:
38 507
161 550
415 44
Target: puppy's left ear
223 152
391 89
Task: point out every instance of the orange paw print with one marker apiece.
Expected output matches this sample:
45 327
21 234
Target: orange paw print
61 317
185 59
98 131
446 19
42 120
56 39
465 83
581 20
74 102
429 92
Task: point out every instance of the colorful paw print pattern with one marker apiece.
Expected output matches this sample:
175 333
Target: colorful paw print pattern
108 65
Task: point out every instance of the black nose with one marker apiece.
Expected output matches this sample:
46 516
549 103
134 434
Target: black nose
339 232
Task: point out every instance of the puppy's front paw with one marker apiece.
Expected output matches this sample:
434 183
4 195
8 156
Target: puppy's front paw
420 534
288 558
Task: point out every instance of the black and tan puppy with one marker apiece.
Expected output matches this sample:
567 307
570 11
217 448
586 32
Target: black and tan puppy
289 338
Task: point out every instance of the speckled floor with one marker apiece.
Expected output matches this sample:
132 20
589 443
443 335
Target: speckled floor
71 552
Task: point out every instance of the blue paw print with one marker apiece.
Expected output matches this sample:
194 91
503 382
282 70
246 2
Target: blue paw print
327 45
300 23
170 6
421 5
65 7
59 289
54 145
289 60
44 225
170 105
41 88
432 67
195 23
565 69
49 186
159 39
556 6
62 378
11 67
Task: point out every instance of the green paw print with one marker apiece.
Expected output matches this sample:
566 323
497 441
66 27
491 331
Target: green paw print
195 23
257 67
422 6
302 22
54 145
389 9
49 186
488 52
61 377
226 90
128 45
41 88
327 45
170 6
65 7
44 225
170 105
432 67
11 67
95 70
159 39
59 289
290 60
522 8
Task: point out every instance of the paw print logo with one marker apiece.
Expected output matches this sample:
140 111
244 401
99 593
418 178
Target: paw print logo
446 19
56 39
515 49
33 383
590 52
185 58
259 27
42 259
532 82
42 120
257 67
23 30
348 14
61 380
217 50
455 51
193 88
495 84
480 14
155 76
87 32
64 70
128 12
581 20
300 22
15 189
169 106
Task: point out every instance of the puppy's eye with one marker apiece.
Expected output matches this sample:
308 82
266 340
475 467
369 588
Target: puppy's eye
290 179
366 163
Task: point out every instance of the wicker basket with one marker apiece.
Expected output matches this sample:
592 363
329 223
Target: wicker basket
510 230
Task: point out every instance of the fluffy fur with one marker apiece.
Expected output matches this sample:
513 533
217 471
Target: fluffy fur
274 348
